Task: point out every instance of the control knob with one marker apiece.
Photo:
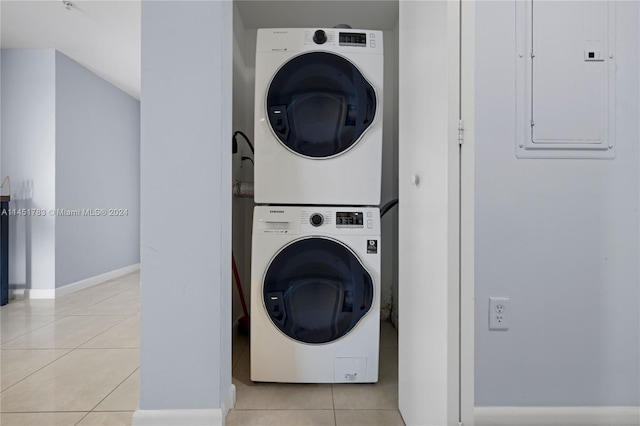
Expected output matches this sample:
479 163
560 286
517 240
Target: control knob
316 219
319 37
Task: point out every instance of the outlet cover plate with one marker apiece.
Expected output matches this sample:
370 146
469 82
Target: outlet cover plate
499 313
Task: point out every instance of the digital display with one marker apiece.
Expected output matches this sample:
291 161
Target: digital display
349 219
353 39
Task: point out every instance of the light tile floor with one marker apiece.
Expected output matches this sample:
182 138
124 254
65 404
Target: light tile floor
318 404
74 361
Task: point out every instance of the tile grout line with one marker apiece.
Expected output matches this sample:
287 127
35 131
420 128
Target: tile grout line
28 349
97 286
72 312
114 389
58 358
124 318
105 330
333 402
58 318
78 313
39 369
82 418
101 300
70 350
133 287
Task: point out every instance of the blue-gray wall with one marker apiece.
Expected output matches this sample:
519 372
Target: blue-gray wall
560 238
28 157
185 356
97 167
70 140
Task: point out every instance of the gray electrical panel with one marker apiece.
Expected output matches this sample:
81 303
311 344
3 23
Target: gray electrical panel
565 66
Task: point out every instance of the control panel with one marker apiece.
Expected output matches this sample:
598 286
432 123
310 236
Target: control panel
326 39
349 220
353 39
340 219
317 220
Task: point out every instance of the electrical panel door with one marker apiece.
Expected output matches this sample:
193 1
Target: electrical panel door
566 80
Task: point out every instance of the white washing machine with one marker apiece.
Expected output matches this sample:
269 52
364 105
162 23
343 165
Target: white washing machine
318 116
315 294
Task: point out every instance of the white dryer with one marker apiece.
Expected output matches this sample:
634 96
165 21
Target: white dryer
318 116
315 294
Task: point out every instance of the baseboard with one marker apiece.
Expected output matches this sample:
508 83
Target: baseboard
229 401
32 293
98 279
557 416
178 418
212 417
26 293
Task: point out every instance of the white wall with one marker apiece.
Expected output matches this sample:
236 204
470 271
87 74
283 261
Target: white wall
28 157
185 358
560 238
97 166
428 299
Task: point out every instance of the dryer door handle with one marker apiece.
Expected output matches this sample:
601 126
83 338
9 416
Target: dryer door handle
279 121
371 106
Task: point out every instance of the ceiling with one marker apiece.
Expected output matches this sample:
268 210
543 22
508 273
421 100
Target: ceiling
104 35
369 14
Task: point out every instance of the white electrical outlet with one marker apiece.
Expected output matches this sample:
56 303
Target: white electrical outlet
499 313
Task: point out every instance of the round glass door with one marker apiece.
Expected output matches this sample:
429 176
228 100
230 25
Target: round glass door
319 104
316 290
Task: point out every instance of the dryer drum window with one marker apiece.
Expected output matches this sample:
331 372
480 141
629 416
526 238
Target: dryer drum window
319 104
316 290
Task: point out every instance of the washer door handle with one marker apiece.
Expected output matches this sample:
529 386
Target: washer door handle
275 307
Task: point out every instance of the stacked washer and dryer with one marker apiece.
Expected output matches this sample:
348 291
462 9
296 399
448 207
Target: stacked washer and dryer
315 273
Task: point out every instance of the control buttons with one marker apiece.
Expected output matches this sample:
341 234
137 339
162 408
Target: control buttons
372 43
369 223
316 219
319 37
369 214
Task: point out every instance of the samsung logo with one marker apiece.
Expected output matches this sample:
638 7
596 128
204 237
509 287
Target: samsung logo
276 211
281 32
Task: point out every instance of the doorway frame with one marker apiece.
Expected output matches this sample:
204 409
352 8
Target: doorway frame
436 224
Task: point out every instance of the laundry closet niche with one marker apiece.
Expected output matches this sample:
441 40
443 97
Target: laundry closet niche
370 15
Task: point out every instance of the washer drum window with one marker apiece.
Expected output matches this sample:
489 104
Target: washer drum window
316 290
319 104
